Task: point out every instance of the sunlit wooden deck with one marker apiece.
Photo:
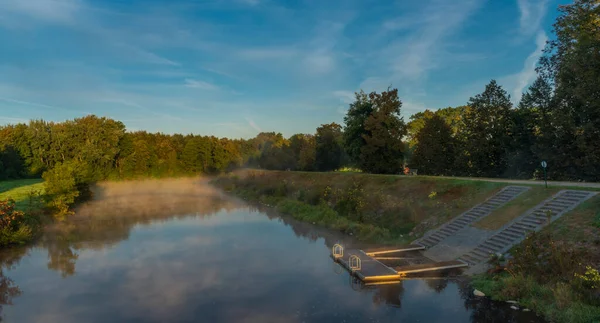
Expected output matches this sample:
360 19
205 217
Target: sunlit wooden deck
392 250
368 269
442 265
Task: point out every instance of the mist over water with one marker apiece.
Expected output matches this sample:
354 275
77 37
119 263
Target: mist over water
181 251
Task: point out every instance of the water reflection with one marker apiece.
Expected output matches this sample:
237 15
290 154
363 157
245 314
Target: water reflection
191 254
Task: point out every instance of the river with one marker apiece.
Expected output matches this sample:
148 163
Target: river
180 251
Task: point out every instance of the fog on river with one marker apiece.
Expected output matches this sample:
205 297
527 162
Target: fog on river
181 251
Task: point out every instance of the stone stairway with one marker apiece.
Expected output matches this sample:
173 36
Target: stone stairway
433 237
533 220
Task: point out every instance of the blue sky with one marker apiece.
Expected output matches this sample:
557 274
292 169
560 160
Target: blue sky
236 67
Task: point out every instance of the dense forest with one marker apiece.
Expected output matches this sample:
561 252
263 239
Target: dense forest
557 120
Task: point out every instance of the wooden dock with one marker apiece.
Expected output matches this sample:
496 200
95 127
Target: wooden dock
368 269
371 270
388 250
431 267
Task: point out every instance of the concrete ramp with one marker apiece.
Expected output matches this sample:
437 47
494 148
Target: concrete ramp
533 220
451 227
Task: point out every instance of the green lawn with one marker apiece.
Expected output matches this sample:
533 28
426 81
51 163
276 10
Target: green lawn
25 192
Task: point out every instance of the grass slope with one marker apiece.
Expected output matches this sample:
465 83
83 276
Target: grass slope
25 192
405 206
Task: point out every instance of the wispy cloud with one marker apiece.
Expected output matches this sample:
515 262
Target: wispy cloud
250 2
415 55
253 124
266 53
13 120
345 96
195 84
144 55
58 11
531 14
32 104
528 74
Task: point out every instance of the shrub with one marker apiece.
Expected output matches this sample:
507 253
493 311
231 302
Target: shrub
351 202
13 229
64 184
541 257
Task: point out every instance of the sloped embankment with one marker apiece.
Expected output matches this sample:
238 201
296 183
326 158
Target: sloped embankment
376 208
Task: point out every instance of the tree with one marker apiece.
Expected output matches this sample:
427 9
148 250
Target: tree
354 126
571 63
434 154
308 154
64 183
417 122
196 155
532 134
485 137
383 151
328 147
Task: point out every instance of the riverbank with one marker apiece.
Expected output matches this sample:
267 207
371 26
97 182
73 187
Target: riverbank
373 208
398 209
554 272
21 211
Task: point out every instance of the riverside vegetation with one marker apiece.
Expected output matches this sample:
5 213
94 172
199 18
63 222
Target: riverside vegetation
553 273
556 120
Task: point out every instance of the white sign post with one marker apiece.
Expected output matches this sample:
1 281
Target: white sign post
544 165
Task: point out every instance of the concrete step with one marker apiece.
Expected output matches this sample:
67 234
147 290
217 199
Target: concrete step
480 254
525 225
493 243
454 226
437 237
501 239
522 227
487 249
462 221
480 211
469 260
474 214
512 236
558 206
532 221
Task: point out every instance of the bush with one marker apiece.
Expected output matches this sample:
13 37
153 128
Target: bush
351 202
546 260
13 229
64 184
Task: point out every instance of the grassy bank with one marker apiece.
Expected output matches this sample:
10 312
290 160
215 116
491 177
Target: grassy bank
21 210
376 208
555 272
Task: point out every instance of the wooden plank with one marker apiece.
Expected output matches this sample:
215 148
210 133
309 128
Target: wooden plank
371 269
389 250
431 267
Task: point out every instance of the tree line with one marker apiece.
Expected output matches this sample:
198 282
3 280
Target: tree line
557 120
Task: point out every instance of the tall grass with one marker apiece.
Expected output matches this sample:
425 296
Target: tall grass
550 278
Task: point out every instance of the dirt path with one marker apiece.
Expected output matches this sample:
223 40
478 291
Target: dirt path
526 182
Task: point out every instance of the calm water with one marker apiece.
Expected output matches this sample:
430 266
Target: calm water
178 251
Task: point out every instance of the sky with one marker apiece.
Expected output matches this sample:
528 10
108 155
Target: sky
234 68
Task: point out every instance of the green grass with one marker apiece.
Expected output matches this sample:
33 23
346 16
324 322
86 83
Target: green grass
400 204
324 216
21 191
27 194
556 302
580 225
